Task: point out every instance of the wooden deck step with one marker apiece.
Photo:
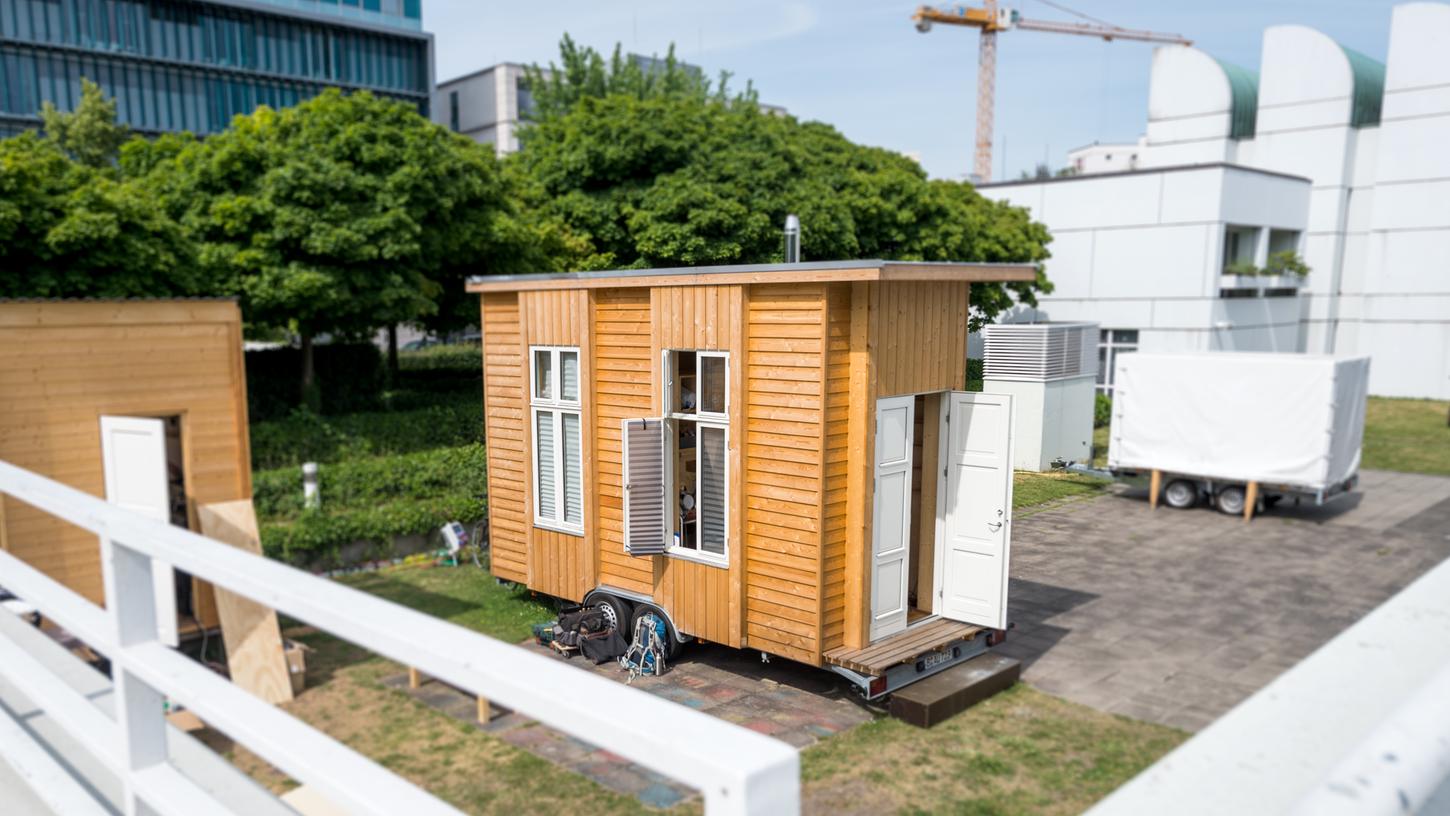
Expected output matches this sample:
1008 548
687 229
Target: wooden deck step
901 648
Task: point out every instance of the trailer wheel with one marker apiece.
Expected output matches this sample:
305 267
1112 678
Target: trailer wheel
1231 500
1181 494
618 612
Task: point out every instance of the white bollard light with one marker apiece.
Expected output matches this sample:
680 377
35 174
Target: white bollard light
311 499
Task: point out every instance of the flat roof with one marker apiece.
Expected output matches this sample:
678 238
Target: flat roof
810 272
1143 171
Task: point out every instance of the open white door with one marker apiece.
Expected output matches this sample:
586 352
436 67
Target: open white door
976 508
133 452
891 522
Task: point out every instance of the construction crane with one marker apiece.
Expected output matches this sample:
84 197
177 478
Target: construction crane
990 19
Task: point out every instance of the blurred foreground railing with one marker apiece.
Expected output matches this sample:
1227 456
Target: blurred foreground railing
737 770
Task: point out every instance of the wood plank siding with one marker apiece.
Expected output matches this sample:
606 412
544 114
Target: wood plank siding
623 389
837 455
921 337
65 364
505 381
785 407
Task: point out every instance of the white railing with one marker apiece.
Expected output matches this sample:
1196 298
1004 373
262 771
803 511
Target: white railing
736 770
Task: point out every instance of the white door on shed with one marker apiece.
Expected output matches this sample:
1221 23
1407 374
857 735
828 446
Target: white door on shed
133 452
976 508
891 522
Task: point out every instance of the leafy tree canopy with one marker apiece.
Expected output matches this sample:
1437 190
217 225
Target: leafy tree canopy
72 230
582 73
89 134
694 176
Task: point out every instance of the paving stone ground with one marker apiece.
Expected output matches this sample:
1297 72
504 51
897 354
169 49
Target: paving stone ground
788 701
1175 616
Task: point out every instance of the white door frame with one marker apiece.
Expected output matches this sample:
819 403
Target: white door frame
893 621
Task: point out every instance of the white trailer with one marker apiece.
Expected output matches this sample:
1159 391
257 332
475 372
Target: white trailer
1241 430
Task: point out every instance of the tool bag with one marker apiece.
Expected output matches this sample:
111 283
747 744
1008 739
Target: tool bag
646 653
602 646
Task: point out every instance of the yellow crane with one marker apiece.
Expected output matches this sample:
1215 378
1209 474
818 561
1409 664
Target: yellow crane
991 18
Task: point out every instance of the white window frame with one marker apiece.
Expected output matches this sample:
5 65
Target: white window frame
1107 340
702 419
556 407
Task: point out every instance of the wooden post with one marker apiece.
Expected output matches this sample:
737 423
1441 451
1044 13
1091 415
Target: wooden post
414 680
1251 498
1154 485
484 714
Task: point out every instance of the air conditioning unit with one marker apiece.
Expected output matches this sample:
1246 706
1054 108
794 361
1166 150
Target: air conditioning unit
1050 369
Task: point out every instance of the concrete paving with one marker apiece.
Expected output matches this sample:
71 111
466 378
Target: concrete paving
1175 616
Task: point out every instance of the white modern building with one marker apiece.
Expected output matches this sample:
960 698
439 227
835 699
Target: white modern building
1325 152
485 105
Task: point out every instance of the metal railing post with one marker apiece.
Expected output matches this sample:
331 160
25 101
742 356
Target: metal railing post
140 718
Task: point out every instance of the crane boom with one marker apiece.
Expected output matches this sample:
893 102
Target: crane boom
991 19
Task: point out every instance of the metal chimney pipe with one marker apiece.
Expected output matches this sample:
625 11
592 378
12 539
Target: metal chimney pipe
792 239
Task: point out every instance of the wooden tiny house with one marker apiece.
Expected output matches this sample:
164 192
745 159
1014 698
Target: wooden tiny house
752 450
142 402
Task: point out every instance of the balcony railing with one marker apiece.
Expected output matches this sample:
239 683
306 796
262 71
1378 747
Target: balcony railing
736 770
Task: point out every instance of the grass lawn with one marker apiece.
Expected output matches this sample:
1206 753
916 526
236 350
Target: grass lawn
1031 489
1022 751
1407 435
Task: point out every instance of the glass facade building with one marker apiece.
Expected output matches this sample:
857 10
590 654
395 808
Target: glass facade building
175 65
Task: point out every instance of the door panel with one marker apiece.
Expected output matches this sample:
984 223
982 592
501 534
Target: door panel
977 511
133 453
891 522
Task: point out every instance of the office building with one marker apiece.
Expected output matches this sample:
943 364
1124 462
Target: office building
192 65
1325 152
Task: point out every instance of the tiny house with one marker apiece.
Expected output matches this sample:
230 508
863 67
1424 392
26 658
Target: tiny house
778 457
141 402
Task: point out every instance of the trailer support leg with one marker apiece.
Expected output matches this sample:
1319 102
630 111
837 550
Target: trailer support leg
1251 499
1154 485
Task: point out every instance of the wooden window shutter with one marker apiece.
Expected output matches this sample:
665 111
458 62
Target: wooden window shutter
644 486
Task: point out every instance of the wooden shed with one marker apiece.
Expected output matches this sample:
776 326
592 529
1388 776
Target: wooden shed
142 402
778 457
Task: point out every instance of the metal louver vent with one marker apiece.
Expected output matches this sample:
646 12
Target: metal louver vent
1039 351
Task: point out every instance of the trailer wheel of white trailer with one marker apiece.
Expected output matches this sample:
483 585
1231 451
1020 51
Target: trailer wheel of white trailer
1181 494
1231 500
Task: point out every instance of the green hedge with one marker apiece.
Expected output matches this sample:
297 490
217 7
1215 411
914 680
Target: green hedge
350 378
446 420
457 358
1102 410
370 499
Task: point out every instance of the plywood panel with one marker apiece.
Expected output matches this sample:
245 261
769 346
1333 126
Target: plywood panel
509 519
787 410
64 364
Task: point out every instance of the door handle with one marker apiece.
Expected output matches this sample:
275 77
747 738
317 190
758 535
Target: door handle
995 525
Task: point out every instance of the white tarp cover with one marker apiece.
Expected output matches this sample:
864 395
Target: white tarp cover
1294 419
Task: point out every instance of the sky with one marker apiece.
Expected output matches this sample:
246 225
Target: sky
862 67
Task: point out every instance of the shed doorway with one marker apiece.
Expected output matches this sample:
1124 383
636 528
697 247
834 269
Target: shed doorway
903 588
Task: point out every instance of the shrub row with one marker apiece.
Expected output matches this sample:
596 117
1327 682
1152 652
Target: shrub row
445 420
459 358
1102 410
349 378
371 499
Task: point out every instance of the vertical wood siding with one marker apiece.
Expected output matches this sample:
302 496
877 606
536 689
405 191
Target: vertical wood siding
63 365
505 381
623 390
558 562
787 338
704 600
838 404
921 337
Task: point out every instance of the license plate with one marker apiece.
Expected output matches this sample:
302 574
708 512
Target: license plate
935 659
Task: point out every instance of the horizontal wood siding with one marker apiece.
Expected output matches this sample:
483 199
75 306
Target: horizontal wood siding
702 599
622 390
64 365
921 337
838 404
558 562
786 336
509 471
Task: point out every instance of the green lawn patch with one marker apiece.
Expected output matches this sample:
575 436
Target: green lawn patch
1031 489
1407 435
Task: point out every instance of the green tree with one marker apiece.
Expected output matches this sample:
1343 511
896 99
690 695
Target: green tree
342 215
583 73
89 134
702 177
71 230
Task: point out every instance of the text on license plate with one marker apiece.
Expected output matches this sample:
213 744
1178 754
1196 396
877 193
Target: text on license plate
935 659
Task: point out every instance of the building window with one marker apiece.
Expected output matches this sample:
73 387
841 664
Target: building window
1111 343
1240 246
558 441
1281 240
453 111
697 433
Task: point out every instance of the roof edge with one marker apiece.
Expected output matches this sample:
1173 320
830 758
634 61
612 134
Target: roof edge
811 271
1173 168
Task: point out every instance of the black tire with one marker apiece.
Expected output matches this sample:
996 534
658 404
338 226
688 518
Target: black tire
617 611
1230 500
1181 494
673 647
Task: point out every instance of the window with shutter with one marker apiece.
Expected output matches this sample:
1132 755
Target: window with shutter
696 438
558 438
644 486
